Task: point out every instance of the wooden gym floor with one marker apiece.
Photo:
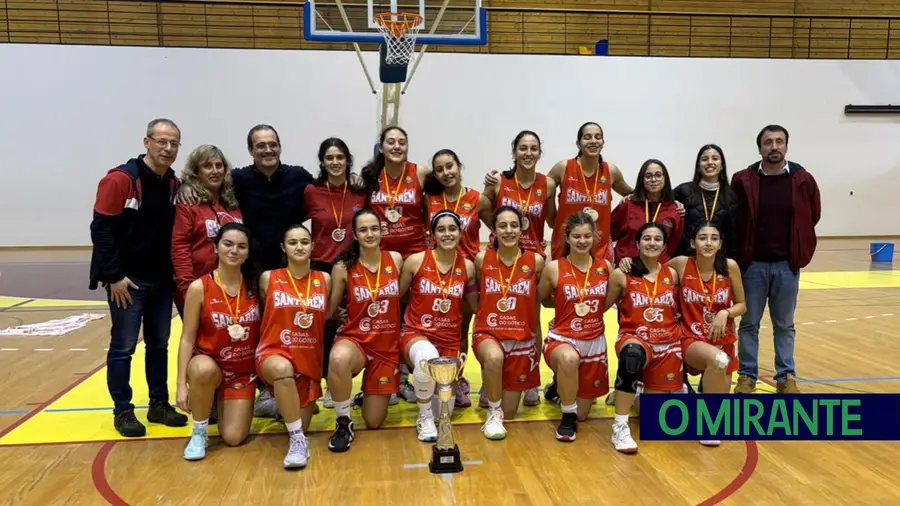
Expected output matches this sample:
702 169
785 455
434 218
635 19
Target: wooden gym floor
58 446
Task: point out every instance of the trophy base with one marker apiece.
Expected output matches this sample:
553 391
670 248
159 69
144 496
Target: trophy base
445 461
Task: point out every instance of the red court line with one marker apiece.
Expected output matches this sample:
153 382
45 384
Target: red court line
40 407
98 476
750 462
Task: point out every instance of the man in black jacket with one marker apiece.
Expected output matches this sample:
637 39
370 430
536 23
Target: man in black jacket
131 232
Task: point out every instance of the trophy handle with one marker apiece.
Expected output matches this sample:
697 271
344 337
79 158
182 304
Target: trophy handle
462 364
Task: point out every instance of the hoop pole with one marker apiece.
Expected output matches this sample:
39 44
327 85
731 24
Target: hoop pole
362 62
424 48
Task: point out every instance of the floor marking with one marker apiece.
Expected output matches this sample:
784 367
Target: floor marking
830 321
14 412
851 319
887 314
867 317
43 349
17 305
9 349
809 323
78 349
425 466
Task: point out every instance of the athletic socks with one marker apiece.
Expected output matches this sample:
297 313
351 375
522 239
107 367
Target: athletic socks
201 424
295 429
621 419
342 408
571 408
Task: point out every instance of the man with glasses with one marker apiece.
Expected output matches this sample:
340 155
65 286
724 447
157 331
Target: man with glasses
131 232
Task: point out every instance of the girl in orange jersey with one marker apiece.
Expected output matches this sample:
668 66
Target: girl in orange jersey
710 298
394 186
289 357
649 341
368 276
533 195
446 192
507 333
438 281
585 184
218 341
575 346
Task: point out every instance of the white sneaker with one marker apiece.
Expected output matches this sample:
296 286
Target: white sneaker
328 402
297 454
710 442
265 406
532 397
621 438
393 400
493 427
425 428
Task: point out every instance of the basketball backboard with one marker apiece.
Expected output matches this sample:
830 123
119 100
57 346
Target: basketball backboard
444 22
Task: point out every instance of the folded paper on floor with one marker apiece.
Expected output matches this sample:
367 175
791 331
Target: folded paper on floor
58 327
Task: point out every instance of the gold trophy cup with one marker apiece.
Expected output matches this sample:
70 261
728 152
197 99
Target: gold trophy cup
445 453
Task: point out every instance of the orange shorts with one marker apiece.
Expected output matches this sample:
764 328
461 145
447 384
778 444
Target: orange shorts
663 370
443 351
308 389
593 368
236 387
730 349
380 376
521 362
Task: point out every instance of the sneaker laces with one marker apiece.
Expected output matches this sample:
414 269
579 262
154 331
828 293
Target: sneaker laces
494 416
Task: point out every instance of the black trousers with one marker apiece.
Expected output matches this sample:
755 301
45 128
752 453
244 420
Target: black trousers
331 326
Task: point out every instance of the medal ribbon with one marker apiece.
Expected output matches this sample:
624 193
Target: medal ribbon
458 199
592 196
582 292
235 315
504 287
522 202
710 297
647 211
338 219
392 197
373 294
710 214
655 286
304 301
445 291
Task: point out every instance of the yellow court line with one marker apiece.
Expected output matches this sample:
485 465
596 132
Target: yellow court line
50 303
7 302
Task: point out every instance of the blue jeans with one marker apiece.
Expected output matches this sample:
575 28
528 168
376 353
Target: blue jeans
152 306
773 283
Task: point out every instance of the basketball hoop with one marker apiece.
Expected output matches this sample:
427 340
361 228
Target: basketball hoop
399 30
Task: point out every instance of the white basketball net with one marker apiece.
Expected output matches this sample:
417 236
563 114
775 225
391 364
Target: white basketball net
400 30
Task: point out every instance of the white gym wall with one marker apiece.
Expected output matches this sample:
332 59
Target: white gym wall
70 113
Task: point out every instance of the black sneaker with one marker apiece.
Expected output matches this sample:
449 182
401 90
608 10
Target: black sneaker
550 393
358 400
166 415
343 435
128 425
567 428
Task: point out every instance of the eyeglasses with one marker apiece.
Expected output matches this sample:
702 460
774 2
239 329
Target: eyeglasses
651 177
164 143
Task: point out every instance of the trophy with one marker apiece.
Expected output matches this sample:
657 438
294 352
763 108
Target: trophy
445 453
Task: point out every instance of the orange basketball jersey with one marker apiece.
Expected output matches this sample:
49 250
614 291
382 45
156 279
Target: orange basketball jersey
373 308
508 305
701 301
466 207
406 234
293 323
580 193
580 300
648 310
234 355
436 302
531 203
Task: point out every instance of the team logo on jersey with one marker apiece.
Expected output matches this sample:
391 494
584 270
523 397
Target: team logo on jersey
603 179
522 378
667 281
457 271
466 206
384 380
539 192
601 270
670 377
526 269
408 180
388 269
316 283
720 277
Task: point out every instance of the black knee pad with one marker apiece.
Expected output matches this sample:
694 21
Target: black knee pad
632 360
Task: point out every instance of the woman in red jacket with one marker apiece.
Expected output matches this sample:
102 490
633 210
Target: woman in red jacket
652 201
196 225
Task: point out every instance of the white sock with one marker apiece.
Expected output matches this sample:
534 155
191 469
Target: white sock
493 406
571 408
201 424
342 408
295 428
623 419
425 409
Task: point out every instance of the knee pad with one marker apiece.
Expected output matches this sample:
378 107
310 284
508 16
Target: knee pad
419 354
722 360
632 360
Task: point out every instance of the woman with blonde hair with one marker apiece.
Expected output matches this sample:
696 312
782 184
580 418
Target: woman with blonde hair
196 225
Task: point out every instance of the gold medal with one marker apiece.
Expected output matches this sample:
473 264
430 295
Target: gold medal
392 214
582 309
444 306
338 234
236 332
526 223
302 319
592 195
373 309
592 213
444 302
503 305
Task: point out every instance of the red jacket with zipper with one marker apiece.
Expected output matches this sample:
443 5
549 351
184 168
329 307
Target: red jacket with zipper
807 210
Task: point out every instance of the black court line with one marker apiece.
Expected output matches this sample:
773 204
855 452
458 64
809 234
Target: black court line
17 305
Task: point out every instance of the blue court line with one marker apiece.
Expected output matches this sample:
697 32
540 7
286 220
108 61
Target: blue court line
849 380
